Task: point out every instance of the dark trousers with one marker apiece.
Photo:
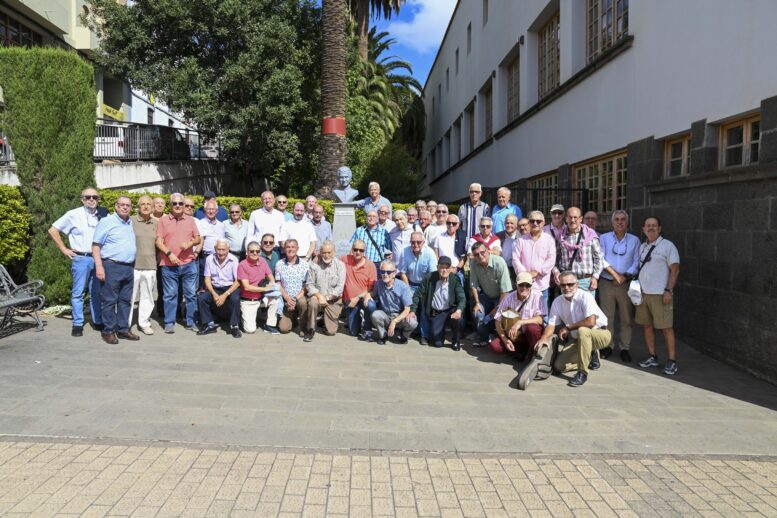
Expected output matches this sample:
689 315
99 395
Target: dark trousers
160 295
201 270
208 307
438 321
116 295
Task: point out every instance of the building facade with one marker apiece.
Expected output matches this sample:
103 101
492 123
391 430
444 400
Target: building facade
57 23
661 108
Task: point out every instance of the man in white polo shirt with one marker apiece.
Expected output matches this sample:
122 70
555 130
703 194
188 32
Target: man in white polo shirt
659 269
266 220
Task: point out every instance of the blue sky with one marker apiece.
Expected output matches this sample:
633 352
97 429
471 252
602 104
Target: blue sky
418 29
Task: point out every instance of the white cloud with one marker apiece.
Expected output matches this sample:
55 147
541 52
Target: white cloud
424 31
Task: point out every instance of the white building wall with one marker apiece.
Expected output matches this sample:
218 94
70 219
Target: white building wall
690 60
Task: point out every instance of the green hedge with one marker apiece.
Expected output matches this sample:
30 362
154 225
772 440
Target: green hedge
108 199
14 226
49 118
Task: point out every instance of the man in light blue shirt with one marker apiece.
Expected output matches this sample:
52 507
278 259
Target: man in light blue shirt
236 230
79 225
418 261
114 249
621 253
374 201
504 207
393 299
322 227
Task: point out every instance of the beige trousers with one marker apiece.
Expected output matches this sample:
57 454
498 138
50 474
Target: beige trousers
611 296
577 354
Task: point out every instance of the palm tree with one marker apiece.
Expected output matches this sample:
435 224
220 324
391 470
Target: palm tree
361 10
333 95
387 83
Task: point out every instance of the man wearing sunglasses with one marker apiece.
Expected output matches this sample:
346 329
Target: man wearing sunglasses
438 227
621 251
282 204
535 253
418 261
582 329
236 229
441 297
360 277
487 237
451 244
490 282
176 237
393 301
256 281
79 226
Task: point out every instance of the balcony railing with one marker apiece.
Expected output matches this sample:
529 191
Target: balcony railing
139 142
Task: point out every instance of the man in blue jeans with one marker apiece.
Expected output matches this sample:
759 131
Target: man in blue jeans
79 225
176 235
114 249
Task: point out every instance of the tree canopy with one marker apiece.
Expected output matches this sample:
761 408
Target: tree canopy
246 69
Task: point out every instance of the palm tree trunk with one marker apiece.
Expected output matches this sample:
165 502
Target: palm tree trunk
362 17
333 93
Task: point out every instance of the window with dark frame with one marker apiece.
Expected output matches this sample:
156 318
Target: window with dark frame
485 12
606 22
513 89
605 181
469 38
549 56
488 108
677 156
546 187
740 142
457 61
15 34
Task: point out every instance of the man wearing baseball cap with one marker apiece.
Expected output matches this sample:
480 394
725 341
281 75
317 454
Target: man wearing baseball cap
519 319
441 296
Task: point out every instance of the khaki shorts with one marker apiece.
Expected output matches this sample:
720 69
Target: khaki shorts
653 312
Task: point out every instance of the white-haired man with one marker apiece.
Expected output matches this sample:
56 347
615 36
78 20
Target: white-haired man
503 209
393 300
471 212
374 201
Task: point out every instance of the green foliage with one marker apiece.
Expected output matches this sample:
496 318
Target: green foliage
395 170
248 70
50 119
14 226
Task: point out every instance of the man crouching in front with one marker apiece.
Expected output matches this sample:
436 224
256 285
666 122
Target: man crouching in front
582 332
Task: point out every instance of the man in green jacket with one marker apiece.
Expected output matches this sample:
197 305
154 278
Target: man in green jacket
441 296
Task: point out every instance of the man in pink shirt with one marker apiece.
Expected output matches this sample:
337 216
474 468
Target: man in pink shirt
176 236
535 253
256 280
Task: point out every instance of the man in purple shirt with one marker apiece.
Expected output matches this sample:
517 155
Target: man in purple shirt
222 291
536 253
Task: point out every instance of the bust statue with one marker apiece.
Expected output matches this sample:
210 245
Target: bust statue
346 193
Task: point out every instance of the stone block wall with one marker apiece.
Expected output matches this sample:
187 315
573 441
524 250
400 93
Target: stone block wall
724 224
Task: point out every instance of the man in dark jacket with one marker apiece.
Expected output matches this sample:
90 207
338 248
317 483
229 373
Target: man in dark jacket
441 296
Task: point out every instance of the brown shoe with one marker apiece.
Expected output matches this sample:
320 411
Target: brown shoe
129 335
110 338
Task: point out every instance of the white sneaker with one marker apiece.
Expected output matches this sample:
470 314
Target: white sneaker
146 330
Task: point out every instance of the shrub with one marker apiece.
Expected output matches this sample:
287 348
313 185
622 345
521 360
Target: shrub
50 119
14 226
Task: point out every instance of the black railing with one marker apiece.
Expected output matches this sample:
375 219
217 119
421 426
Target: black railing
6 153
139 142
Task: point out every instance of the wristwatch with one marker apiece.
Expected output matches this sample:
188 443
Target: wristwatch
671 292
169 253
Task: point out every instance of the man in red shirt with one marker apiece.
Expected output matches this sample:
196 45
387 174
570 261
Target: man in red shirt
256 279
176 236
360 276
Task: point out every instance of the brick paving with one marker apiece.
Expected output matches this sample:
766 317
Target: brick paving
40 478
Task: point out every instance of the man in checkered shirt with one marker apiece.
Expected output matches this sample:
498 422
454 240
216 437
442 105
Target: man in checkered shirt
580 252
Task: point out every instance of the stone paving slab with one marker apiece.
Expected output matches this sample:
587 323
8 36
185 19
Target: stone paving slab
276 391
115 478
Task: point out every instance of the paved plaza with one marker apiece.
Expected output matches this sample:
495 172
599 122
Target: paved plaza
272 426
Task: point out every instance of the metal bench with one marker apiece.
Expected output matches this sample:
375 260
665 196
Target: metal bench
17 301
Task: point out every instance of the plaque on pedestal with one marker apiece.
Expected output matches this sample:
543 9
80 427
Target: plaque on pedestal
343 228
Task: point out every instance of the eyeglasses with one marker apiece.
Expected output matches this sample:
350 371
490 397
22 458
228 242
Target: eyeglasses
486 226
524 285
268 242
234 212
386 272
176 203
442 212
451 223
623 249
557 213
482 252
568 284
358 249
474 192
416 242
189 206
536 221
90 197
254 251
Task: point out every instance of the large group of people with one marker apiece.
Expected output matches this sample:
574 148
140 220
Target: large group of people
524 286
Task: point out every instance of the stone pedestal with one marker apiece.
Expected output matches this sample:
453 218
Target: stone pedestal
343 227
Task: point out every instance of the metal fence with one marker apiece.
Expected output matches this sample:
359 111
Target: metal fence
6 153
137 142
